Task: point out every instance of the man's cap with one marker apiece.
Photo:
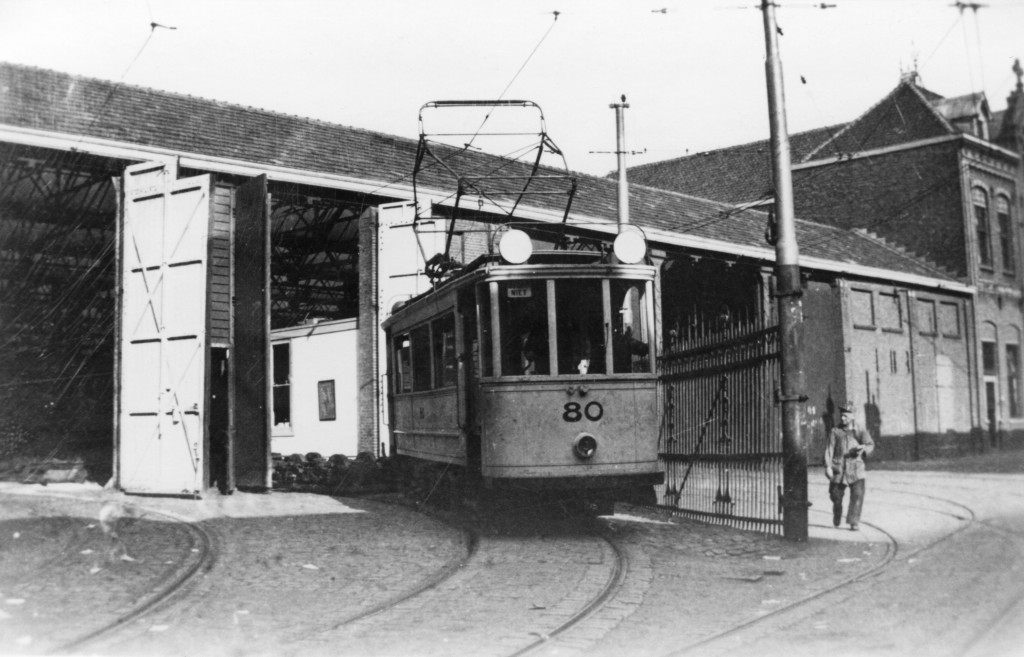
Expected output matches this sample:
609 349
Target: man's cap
846 407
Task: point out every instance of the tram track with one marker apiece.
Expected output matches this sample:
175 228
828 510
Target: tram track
897 551
616 581
482 585
203 557
439 577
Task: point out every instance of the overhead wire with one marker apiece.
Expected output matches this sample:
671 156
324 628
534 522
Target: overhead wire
508 86
79 286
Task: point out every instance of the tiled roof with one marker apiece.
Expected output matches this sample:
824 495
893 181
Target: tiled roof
735 174
905 115
49 101
739 174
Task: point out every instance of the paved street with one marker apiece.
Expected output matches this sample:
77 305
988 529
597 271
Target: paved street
936 570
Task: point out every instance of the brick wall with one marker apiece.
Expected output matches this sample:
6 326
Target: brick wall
368 375
908 369
911 197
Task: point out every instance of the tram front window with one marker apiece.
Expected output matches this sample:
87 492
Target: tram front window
523 317
580 322
630 327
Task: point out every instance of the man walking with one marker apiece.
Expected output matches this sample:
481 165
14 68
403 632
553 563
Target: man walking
844 466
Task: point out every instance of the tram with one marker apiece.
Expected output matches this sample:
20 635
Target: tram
533 371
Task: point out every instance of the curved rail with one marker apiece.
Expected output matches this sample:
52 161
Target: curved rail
472 540
616 579
894 550
202 562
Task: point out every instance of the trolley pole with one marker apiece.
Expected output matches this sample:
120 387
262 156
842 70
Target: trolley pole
620 154
788 295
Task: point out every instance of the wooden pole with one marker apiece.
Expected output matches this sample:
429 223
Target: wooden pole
788 293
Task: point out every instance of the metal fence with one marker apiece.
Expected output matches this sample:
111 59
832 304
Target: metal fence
721 434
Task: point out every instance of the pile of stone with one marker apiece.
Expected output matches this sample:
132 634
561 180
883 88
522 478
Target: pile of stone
335 475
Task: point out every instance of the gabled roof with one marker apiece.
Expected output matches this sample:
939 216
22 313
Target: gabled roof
734 174
903 116
740 174
78 109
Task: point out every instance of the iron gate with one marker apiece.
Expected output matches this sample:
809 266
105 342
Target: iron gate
721 434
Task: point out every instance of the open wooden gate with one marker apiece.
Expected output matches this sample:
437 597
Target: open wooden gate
194 334
163 331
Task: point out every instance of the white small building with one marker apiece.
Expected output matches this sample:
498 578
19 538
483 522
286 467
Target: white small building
314 389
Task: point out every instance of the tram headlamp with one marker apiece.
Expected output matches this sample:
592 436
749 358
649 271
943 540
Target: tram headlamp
515 246
584 445
630 246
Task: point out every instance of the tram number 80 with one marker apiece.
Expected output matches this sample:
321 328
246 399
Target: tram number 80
574 412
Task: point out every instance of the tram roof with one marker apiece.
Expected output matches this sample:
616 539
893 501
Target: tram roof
66 112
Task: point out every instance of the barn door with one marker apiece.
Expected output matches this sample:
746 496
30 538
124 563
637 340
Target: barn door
252 465
163 363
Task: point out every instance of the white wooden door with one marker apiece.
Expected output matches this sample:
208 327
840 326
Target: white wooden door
164 231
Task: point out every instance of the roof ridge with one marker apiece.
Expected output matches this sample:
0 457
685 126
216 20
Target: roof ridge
177 94
931 108
702 153
724 149
886 98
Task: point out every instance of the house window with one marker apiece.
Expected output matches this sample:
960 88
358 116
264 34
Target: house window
1006 245
949 319
926 320
980 200
1013 379
890 314
862 308
989 366
282 385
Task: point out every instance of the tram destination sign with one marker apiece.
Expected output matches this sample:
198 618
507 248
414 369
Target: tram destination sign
520 291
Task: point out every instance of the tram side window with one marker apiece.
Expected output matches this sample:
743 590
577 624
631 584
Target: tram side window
483 305
580 322
445 366
630 327
523 313
421 358
403 364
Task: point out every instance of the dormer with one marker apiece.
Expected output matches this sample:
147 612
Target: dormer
969 114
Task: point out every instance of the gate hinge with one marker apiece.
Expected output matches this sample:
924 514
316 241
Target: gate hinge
780 398
792 293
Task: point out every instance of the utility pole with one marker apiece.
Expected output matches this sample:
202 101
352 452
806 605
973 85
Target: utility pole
788 295
620 152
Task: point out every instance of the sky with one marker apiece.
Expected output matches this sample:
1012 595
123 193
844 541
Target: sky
692 70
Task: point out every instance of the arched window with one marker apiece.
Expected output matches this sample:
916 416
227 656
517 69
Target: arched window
1006 242
1013 396
980 200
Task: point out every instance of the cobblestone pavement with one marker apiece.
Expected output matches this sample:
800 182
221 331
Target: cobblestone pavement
291 570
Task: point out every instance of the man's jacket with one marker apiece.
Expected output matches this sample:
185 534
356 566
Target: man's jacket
842 455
